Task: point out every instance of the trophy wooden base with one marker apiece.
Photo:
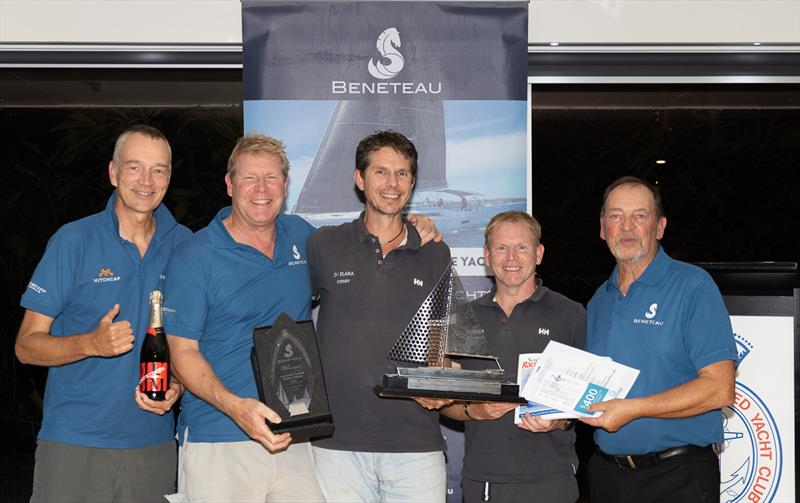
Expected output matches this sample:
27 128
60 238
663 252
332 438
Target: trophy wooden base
456 384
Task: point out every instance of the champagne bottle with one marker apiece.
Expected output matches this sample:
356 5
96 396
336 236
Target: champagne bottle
154 358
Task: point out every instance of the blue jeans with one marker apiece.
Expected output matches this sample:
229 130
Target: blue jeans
347 476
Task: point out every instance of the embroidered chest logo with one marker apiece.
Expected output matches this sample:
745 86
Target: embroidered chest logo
418 282
649 316
296 256
106 275
544 331
343 277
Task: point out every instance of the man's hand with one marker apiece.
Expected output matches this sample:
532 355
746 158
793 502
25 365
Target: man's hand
425 228
159 407
111 338
487 411
432 403
251 416
616 414
538 425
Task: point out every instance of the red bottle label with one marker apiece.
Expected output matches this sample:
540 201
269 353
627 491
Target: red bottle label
153 376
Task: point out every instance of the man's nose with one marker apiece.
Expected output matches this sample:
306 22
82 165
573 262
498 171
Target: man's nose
627 222
146 178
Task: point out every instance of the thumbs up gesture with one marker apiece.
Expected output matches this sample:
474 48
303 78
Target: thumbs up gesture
111 338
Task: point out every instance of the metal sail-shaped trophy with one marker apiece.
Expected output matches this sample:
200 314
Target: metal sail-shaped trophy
445 326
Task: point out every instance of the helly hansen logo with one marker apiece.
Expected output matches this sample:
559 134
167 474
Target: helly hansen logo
106 275
544 331
418 282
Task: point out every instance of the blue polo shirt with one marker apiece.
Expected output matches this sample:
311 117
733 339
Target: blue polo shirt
86 269
672 323
217 292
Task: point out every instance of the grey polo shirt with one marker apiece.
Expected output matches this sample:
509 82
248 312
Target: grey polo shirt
366 301
499 451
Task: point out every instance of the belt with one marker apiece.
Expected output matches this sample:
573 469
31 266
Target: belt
634 461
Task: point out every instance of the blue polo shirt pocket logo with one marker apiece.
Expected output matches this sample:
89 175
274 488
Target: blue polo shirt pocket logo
594 393
296 256
649 316
106 275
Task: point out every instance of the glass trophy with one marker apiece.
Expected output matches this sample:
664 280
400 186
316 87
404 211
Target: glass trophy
443 327
289 378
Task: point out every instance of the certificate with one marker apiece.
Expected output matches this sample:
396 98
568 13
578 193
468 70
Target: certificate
527 364
571 380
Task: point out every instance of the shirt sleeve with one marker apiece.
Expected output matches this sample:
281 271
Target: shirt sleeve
185 298
53 281
707 331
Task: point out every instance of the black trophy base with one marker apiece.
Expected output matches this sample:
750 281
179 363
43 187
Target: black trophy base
455 384
305 428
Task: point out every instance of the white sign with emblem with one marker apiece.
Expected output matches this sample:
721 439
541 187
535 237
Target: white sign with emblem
758 458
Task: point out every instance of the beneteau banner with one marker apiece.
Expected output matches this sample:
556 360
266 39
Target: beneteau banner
450 76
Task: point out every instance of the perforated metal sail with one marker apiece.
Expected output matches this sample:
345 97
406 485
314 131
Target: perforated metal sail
445 324
425 337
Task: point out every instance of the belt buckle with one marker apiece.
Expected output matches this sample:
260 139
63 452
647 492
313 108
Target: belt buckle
631 464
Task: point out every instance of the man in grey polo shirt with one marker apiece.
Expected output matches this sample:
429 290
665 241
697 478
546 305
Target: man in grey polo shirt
371 276
537 459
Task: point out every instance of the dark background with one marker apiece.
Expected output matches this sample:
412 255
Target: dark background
729 186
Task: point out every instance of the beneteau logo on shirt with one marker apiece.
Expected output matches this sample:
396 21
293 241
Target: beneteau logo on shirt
106 275
296 256
648 316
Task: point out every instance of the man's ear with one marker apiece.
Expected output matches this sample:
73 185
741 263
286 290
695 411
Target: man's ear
359 180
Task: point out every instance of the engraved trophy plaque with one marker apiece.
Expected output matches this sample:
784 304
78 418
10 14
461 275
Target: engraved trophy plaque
444 326
289 378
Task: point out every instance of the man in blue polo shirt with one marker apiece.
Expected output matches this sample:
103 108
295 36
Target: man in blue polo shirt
86 312
240 272
667 319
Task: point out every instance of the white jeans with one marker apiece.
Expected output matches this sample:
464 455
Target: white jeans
370 477
246 472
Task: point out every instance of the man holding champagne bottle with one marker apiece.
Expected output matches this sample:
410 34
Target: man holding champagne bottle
86 315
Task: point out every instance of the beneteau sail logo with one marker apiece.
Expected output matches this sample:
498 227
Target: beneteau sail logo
390 63
388 43
752 457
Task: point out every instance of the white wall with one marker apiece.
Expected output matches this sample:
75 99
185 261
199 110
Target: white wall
664 21
217 22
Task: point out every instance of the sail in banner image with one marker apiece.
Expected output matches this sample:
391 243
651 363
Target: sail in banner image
328 197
